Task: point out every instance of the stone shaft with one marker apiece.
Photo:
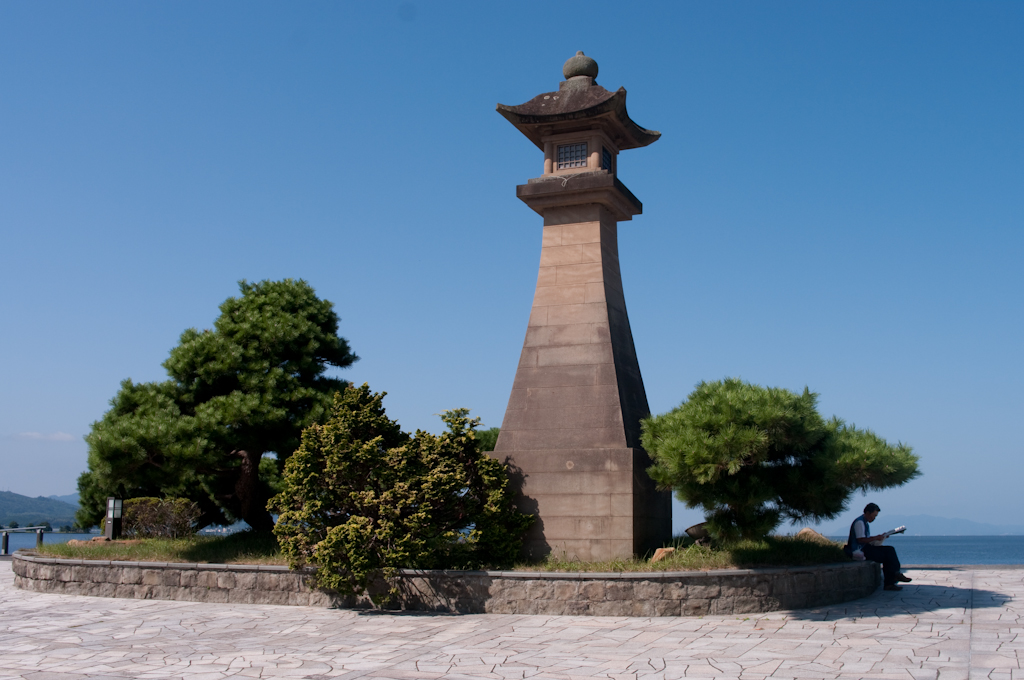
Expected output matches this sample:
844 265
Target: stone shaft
571 432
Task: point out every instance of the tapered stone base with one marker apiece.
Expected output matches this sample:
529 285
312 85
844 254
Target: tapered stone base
571 432
591 504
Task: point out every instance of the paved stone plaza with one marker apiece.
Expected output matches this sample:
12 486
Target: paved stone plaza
947 624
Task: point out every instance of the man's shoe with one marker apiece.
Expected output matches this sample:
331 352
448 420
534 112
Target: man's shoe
893 586
904 579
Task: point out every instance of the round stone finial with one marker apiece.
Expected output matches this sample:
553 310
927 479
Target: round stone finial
580 65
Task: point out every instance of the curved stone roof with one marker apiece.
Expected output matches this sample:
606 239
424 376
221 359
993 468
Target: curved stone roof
581 104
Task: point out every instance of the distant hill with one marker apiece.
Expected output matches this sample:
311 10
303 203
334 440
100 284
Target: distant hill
929 525
27 511
926 525
70 499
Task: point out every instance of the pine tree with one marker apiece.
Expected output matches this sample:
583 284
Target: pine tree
244 389
751 456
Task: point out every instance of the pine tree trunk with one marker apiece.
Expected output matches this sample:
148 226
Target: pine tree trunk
252 504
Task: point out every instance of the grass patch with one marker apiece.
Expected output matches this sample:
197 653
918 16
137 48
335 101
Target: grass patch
774 551
245 547
251 548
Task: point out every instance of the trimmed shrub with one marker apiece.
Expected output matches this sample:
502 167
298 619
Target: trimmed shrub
159 517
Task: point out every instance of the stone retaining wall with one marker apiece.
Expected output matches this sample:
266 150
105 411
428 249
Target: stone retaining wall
732 591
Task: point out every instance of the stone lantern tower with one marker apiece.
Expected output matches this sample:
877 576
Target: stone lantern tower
571 431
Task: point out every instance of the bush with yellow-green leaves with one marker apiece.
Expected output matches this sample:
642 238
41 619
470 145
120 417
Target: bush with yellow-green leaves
361 499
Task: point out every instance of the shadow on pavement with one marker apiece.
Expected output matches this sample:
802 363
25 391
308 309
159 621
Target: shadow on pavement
913 600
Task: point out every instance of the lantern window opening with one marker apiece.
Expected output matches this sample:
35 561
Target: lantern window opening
572 156
606 159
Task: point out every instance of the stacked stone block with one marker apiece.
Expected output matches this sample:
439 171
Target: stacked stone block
732 591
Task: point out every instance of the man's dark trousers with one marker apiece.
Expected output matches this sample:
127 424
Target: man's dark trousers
886 554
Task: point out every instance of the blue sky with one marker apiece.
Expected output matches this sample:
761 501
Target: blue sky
836 202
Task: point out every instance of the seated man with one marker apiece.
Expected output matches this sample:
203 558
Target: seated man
860 537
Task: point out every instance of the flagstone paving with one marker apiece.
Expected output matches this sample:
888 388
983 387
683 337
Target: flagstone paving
946 625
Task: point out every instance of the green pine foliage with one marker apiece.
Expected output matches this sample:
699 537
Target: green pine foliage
487 439
244 389
362 499
752 456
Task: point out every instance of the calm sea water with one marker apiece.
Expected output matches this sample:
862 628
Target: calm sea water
20 540
956 549
911 549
